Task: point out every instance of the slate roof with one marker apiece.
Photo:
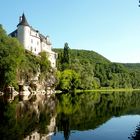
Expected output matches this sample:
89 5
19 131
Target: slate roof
23 21
13 34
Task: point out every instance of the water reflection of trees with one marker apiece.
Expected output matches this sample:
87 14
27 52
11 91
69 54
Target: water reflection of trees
90 110
19 120
83 111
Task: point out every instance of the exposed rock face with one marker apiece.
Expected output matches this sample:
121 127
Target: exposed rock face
30 88
9 93
24 92
35 86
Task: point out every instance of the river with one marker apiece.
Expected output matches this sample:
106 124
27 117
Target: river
73 116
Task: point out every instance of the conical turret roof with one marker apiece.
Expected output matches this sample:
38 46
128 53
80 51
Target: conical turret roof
23 21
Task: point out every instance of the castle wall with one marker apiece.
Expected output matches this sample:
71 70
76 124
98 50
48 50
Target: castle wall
20 34
23 36
35 45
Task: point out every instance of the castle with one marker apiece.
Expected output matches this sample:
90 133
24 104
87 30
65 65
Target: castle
33 40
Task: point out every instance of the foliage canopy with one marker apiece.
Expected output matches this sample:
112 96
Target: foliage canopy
95 71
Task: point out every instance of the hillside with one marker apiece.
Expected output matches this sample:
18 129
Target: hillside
84 55
95 71
132 66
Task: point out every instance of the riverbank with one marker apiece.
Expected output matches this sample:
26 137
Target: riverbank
102 90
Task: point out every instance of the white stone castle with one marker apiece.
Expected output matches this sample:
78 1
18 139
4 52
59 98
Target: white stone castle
33 40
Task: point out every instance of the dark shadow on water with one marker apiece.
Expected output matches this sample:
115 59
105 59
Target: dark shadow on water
135 135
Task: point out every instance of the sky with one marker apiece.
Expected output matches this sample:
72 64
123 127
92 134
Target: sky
108 27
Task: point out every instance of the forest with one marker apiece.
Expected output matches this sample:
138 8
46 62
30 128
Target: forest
84 69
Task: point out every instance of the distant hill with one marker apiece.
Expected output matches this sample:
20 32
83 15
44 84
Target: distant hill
84 55
132 66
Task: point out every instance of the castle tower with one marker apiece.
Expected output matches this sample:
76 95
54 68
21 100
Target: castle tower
23 32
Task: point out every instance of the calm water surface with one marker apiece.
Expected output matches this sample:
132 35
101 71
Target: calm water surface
114 129
81 116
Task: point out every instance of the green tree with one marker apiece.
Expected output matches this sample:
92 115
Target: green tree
66 55
11 57
44 63
69 80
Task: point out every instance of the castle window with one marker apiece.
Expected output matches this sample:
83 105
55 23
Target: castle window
37 43
31 49
35 49
31 40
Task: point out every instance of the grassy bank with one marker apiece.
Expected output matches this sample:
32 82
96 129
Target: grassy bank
108 90
103 90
